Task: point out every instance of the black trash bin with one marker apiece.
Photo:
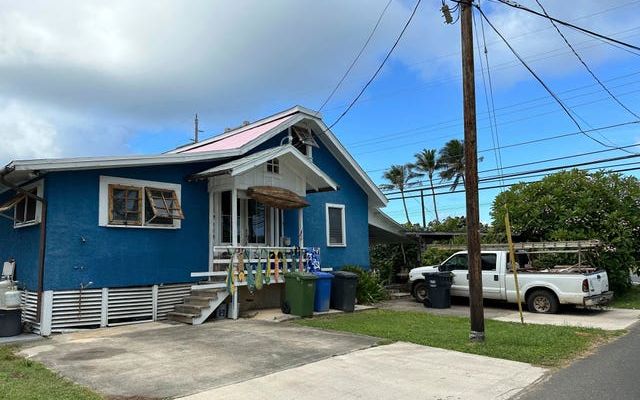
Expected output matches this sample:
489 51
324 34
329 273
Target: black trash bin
343 291
439 289
10 322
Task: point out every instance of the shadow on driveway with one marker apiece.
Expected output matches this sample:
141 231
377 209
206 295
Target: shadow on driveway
159 360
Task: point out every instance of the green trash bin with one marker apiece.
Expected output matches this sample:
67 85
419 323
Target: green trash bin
300 289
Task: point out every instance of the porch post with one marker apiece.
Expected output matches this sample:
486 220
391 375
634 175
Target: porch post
300 228
234 243
212 222
234 217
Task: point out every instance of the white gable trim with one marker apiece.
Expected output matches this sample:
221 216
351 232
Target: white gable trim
376 197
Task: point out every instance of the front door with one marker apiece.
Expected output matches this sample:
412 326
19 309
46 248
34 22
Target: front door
491 283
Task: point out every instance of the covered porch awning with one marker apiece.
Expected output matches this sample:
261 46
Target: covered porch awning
316 180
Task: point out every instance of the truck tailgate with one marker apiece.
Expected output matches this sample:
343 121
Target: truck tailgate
598 282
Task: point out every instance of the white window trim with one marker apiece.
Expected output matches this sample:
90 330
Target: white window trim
344 225
103 201
40 193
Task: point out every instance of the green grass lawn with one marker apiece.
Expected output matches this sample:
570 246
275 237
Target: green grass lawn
628 299
25 379
544 345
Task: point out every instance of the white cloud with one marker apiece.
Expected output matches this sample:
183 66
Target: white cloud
24 134
89 75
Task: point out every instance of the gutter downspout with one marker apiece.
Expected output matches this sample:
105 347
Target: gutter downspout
43 235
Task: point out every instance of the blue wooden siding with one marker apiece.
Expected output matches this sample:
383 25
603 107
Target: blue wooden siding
22 244
81 252
315 219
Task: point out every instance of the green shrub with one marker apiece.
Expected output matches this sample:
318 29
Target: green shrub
370 289
435 256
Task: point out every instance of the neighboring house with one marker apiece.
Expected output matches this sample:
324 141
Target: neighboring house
124 234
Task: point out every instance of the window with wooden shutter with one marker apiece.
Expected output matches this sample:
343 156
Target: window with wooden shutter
163 206
336 232
125 205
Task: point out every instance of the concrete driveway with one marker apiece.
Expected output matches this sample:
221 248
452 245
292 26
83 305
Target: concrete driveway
159 360
608 319
249 359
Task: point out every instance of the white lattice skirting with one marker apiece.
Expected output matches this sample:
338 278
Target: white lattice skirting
92 308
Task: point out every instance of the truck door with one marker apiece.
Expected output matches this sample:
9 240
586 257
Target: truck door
458 265
491 282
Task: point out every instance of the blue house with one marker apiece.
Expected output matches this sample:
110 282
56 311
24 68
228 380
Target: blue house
106 240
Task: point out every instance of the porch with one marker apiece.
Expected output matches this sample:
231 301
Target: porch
256 228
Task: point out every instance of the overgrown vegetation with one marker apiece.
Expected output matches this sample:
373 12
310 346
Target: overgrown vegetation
577 205
370 288
537 344
628 299
22 379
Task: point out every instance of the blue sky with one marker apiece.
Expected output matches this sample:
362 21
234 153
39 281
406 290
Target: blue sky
109 85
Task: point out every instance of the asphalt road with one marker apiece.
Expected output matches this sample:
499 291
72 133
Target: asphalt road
610 373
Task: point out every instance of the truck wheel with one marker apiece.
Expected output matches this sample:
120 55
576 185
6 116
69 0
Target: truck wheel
542 301
420 291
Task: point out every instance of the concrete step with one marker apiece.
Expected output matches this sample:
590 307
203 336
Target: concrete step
185 318
190 309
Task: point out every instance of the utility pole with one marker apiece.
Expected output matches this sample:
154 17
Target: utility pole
196 130
424 217
471 173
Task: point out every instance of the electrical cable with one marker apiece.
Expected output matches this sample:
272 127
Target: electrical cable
544 85
522 173
568 24
585 64
384 61
506 185
355 60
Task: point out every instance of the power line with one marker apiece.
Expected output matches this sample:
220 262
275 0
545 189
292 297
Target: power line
523 173
501 66
406 25
355 60
544 85
454 123
455 54
570 25
585 64
544 139
506 185
491 108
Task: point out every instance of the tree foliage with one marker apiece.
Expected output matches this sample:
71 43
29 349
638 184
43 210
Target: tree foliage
577 205
399 176
451 163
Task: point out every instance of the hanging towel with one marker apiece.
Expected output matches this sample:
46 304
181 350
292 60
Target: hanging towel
241 266
267 276
251 281
277 266
312 259
259 277
229 282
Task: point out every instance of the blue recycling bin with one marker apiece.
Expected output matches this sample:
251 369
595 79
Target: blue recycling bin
323 291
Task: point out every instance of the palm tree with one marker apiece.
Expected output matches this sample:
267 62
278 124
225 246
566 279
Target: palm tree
427 163
451 162
399 176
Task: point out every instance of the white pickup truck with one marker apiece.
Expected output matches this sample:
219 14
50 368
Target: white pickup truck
542 291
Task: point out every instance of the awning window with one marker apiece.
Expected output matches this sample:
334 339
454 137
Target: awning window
164 204
9 204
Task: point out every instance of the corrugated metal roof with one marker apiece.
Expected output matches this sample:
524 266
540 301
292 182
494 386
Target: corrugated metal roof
237 139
